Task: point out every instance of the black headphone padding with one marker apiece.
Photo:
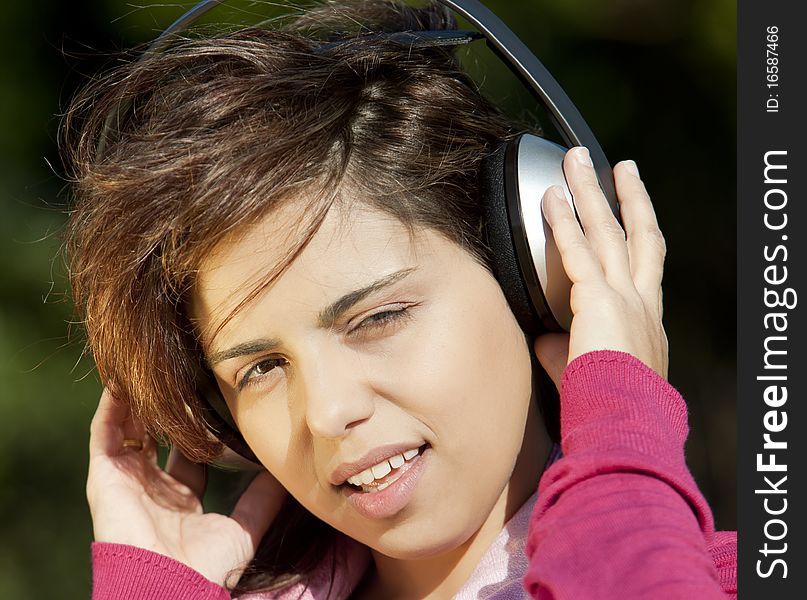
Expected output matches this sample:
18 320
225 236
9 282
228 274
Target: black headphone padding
503 260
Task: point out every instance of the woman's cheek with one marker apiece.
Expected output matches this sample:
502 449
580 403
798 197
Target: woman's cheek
267 424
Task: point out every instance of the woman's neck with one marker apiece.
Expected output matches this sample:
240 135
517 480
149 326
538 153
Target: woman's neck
443 575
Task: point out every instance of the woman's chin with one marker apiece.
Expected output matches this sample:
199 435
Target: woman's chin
418 541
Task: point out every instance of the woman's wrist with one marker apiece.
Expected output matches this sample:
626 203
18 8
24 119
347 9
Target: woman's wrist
124 571
610 397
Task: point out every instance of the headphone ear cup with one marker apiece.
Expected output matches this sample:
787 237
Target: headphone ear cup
493 191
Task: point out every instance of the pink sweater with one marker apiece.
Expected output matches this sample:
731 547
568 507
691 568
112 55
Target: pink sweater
618 517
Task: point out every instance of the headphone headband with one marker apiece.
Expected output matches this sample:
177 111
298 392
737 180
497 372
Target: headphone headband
513 52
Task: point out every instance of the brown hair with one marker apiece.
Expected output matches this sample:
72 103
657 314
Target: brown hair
207 136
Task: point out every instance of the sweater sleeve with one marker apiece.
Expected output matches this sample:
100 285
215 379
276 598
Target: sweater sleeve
122 572
620 516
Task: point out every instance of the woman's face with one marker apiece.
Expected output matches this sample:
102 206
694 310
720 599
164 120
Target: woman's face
390 359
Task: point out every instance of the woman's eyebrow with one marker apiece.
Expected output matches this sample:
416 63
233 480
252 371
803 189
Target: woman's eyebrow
326 318
245 349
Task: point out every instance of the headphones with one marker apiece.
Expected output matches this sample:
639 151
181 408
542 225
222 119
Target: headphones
525 259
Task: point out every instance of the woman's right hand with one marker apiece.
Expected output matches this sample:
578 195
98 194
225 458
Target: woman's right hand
616 273
133 501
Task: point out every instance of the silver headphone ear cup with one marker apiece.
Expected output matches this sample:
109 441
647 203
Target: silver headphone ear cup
524 257
503 259
533 165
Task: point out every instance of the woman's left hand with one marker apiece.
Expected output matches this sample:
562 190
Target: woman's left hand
134 501
615 273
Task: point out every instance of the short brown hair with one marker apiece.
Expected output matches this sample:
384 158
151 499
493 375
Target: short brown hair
172 153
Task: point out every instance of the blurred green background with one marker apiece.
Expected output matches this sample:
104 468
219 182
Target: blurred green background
654 78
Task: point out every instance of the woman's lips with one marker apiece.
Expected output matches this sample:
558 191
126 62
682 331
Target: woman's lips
394 496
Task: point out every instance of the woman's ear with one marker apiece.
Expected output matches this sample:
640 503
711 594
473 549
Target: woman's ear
552 351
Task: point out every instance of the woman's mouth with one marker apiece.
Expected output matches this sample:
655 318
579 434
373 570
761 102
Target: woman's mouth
380 476
385 488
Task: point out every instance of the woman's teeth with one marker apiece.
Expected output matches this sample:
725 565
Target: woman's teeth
365 479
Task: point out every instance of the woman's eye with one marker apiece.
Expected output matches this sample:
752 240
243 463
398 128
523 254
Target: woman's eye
381 320
259 370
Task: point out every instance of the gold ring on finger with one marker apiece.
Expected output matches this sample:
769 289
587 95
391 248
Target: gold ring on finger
133 444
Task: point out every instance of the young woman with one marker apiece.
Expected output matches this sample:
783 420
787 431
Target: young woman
299 226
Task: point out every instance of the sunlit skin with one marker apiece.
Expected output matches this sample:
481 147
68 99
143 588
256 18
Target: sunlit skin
434 356
454 372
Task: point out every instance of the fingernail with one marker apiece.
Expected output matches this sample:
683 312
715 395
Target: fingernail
557 193
630 167
582 156
553 194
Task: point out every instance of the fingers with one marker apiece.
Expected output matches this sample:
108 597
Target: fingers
258 506
633 257
150 448
600 226
646 246
579 260
187 472
107 420
111 424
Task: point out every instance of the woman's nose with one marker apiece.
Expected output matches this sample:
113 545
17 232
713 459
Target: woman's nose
336 394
